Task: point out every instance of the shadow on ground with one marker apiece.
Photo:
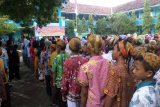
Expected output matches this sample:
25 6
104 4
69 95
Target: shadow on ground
28 92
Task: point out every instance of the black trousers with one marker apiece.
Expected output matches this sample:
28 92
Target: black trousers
48 84
7 103
11 73
16 71
59 101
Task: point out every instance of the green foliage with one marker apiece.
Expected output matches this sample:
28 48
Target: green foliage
147 18
6 27
133 16
120 23
91 24
101 26
82 26
69 31
158 24
43 11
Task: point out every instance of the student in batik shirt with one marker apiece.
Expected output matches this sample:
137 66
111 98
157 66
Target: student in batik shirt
57 71
144 70
3 81
51 63
119 86
92 75
70 87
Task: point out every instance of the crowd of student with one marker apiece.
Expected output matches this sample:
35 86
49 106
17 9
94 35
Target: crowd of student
111 71
9 70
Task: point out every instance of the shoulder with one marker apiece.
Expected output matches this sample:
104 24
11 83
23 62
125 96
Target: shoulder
145 95
1 60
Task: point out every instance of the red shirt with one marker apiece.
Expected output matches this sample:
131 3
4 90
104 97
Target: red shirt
70 87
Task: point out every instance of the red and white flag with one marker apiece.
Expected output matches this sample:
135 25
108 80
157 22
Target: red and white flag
76 7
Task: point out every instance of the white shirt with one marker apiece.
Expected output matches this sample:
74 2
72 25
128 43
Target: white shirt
108 56
145 97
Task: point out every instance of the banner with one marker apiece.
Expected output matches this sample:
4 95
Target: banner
49 31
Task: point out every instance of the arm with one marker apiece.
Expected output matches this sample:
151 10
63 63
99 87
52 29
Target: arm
54 78
65 80
84 96
111 88
3 70
54 72
108 101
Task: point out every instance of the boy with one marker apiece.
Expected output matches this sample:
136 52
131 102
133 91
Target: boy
70 88
144 70
57 71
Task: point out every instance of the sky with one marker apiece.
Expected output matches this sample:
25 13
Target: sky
106 3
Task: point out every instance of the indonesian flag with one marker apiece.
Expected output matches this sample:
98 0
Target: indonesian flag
76 7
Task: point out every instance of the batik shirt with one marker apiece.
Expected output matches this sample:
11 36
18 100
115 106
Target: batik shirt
53 55
44 60
157 87
70 86
119 85
3 95
93 75
57 67
145 95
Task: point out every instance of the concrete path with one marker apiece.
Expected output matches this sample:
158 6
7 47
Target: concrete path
28 92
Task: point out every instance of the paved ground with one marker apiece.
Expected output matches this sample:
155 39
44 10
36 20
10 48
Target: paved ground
29 92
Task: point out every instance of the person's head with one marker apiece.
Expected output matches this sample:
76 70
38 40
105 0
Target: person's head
152 44
52 47
146 66
122 49
75 45
94 44
146 41
15 47
84 48
111 42
60 45
140 50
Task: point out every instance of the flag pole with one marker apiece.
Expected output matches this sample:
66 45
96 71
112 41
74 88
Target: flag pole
76 14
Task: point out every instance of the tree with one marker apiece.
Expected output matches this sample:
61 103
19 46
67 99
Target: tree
91 23
101 26
158 24
133 15
122 24
25 11
5 27
82 26
147 18
69 31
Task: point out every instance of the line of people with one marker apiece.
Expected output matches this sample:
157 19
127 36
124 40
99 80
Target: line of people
9 70
119 71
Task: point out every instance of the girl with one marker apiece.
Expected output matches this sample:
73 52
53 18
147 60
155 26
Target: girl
119 85
92 75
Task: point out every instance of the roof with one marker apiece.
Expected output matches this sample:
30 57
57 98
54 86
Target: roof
87 9
134 5
98 10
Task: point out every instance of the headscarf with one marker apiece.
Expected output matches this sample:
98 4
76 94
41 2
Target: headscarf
75 44
126 49
140 51
53 46
60 43
152 42
95 42
153 60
